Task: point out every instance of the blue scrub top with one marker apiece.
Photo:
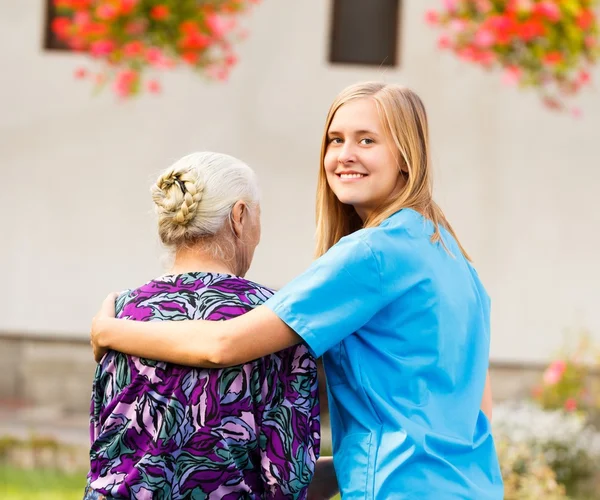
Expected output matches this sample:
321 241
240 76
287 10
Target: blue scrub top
404 329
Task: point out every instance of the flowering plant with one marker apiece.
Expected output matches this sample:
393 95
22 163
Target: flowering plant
565 382
131 36
567 443
527 475
545 44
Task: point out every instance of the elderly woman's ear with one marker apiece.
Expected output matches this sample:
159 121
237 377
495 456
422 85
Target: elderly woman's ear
239 218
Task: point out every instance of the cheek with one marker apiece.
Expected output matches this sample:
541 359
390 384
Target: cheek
330 162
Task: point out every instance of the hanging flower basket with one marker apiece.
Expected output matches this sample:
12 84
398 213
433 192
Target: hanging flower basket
548 45
131 37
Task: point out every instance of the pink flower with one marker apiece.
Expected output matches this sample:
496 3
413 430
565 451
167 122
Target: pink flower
552 103
555 371
156 58
106 11
82 19
486 58
590 41
102 48
549 10
512 75
217 73
576 112
125 82
584 77
136 27
524 6
570 405
432 17
458 25
484 38
444 42
450 5
80 73
483 6
218 25
231 59
154 86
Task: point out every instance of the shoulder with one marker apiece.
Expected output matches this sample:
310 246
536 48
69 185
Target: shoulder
398 235
237 285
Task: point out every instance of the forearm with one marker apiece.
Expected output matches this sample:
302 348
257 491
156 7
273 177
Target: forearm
207 344
324 484
172 341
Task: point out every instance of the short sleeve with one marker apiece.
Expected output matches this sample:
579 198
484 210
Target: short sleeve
337 295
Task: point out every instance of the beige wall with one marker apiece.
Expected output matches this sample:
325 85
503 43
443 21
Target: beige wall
520 184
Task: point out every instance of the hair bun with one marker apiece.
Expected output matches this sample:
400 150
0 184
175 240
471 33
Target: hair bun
177 195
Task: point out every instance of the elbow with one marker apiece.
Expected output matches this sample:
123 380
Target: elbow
219 355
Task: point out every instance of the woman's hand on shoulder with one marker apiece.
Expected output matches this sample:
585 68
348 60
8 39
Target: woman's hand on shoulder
107 311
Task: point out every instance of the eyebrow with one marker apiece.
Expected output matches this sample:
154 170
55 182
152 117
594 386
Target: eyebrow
356 132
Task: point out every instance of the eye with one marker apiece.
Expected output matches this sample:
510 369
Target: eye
366 141
335 140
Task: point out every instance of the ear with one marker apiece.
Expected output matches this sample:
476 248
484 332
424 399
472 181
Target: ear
238 217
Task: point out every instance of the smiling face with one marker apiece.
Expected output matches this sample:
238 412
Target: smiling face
359 163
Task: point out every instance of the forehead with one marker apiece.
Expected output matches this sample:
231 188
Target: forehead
357 114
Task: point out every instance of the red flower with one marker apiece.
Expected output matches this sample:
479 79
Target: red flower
570 404
585 20
553 57
190 57
133 49
127 6
188 27
160 12
107 11
61 27
531 29
195 41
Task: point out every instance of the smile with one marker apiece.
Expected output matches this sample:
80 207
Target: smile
351 176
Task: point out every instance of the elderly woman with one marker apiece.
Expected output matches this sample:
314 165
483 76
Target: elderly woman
164 431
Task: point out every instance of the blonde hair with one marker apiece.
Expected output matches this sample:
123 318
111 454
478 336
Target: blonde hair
405 122
193 198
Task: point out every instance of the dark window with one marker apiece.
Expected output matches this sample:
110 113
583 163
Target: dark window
51 41
365 32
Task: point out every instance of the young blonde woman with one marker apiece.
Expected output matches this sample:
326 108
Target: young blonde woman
392 303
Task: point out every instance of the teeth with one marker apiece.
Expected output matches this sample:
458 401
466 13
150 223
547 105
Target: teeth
351 176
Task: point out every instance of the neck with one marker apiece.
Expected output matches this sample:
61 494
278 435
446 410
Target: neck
195 259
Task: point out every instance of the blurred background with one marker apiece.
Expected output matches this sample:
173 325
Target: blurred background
517 178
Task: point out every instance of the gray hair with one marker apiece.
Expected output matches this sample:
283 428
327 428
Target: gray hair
193 198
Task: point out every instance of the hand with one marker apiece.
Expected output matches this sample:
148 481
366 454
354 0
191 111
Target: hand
107 310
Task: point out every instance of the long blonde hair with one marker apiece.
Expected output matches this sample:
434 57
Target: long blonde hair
405 122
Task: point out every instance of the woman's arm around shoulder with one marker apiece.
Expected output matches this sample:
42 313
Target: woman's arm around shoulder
211 344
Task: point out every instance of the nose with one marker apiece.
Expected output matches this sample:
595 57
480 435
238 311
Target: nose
346 154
